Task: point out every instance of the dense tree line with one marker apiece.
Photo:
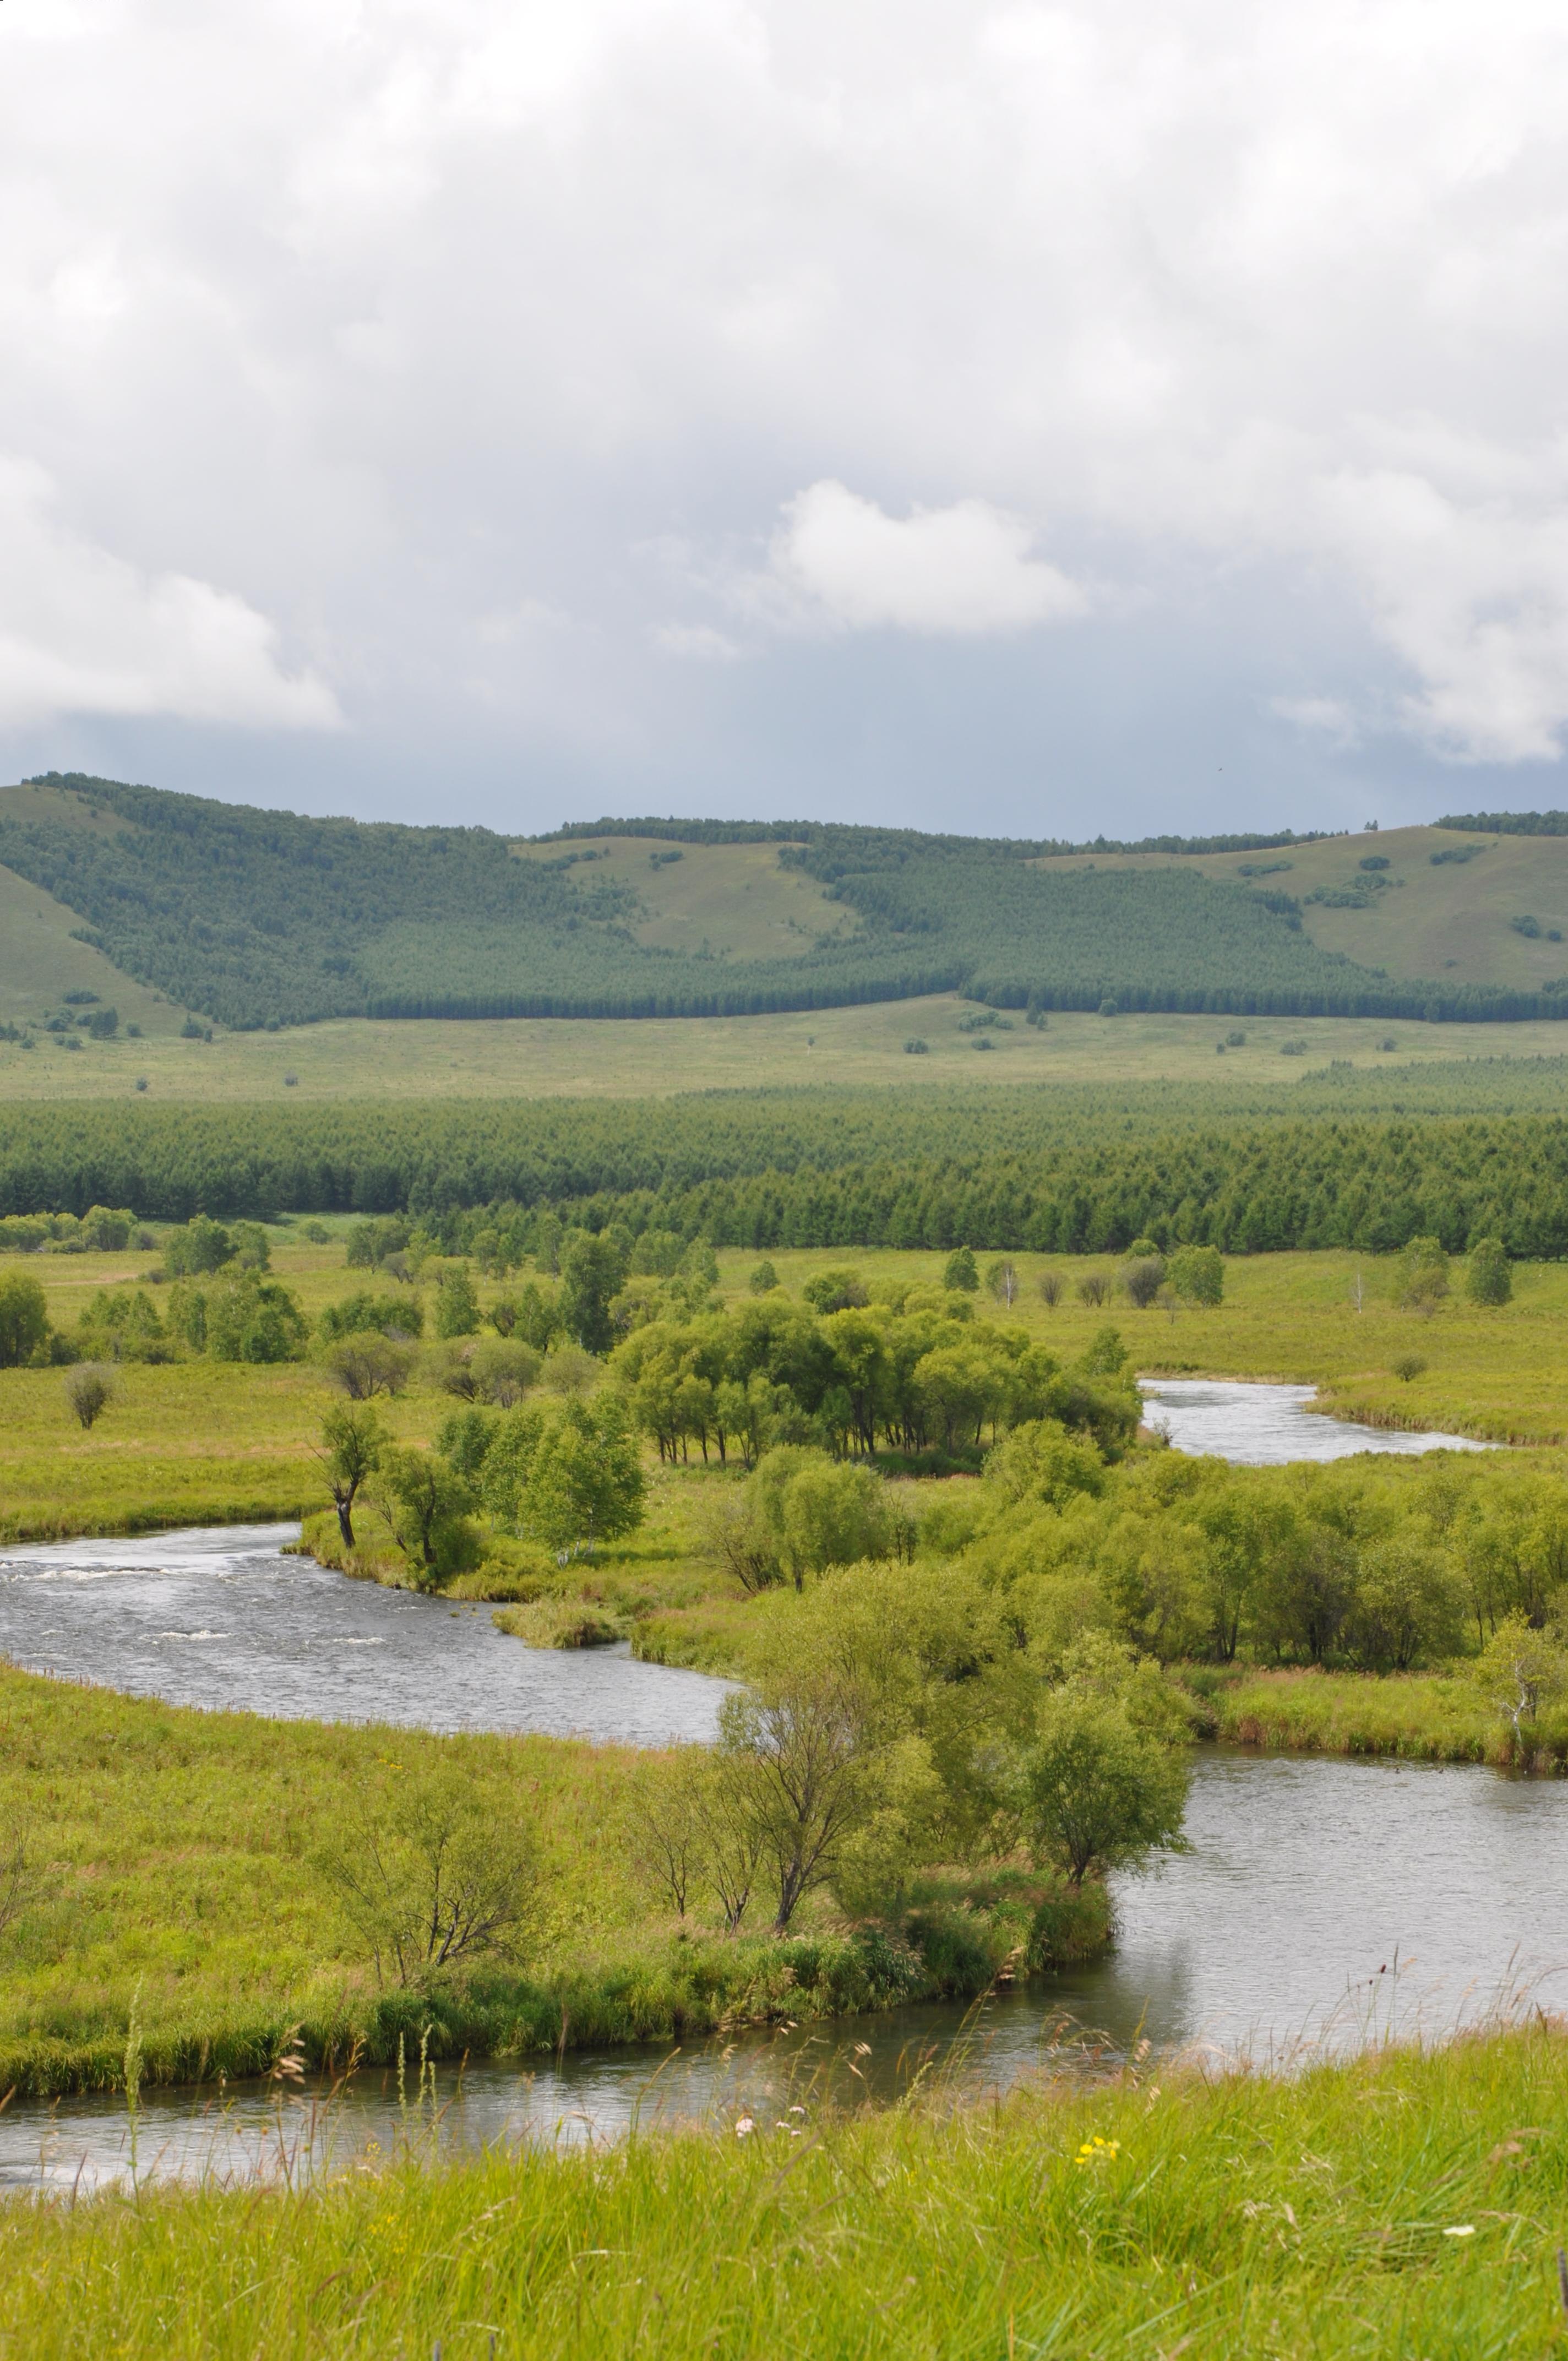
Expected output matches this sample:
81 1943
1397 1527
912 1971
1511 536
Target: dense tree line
1548 823
260 917
1062 1172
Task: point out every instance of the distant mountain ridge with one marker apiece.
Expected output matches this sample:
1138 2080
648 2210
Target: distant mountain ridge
258 918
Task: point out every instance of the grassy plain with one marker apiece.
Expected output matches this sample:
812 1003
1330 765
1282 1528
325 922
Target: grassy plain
176 1866
1405 2204
356 1058
203 1442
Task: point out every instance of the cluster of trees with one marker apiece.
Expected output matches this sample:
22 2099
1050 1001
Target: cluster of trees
226 909
101 1229
1064 1172
889 1723
1375 1564
913 1371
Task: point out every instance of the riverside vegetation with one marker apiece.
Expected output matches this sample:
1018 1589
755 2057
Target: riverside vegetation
1403 2203
906 1500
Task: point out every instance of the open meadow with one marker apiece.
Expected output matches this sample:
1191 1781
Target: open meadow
197 1442
537 1057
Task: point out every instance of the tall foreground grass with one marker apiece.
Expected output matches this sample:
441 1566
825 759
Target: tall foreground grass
1405 2204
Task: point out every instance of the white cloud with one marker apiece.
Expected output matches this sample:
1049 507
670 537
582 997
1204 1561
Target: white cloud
82 632
695 641
960 571
393 315
1329 717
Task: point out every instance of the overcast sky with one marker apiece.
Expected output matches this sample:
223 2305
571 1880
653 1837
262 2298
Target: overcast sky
1121 414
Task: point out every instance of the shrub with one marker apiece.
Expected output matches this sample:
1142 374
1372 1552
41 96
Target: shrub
1487 1279
88 1390
960 1273
24 1320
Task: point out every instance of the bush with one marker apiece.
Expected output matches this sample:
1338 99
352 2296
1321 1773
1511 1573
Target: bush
24 1320
88 1390
1487 1279
1142 1279
763 1279
1197 1274
369 1364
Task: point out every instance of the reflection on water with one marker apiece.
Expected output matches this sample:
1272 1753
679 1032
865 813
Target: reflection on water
1265 1426
220 1618
1322 1903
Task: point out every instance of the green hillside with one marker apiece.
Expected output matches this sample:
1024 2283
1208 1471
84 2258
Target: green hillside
256 919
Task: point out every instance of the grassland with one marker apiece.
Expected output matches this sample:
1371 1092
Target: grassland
201 1441
1403 2205
420 1057
1448 919
732 900
178 1864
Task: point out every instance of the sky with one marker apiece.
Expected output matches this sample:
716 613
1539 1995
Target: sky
1122 415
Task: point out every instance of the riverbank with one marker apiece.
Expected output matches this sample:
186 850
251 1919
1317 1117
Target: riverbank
1406 2202
178 1864
1422 1717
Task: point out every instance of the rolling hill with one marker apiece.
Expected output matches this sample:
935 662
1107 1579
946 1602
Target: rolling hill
169 903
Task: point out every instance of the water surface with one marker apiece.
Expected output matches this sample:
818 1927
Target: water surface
219 1617
1269 1425
1322 1903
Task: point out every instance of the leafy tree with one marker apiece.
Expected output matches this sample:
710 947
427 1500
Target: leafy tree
819 1513
592 1271
836 1290
465 1440
88 1390
763 1279
24 1320
1107 1355
369 1364
457 1304
1421 1275
249 1318
570 1479
351 1442
1040 1461
1097 1793
437 1876
1197 1274
1488 1278
1408 1604
1519 1670
201 1246
1002 1278
427 1505
394 1315
960 1273
122 1323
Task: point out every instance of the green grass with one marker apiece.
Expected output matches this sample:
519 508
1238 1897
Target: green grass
1448 920
355 1057
175 1867
1421 1716
1404 2205
204 1443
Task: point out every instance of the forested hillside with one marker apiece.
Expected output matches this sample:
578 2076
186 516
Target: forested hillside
260 919
1061 1171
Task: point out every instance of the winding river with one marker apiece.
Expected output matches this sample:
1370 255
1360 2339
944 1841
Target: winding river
1322 1902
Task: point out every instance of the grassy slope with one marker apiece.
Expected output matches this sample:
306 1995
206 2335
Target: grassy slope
1313 2216
1449 921
730 899
355 1057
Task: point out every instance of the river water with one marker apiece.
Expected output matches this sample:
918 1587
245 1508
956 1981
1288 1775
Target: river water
1322 1902
221 1618
1267 1425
